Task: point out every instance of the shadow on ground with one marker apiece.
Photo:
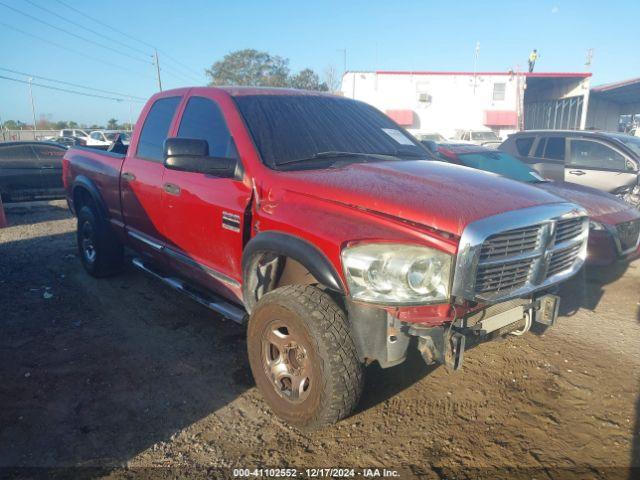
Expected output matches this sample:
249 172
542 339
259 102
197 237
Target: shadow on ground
95 371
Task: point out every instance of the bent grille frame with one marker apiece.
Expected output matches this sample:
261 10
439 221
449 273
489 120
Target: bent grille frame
615 231
470 259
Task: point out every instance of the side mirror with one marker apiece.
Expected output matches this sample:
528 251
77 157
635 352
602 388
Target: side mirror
192 155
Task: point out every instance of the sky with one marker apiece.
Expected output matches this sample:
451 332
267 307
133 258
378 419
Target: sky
191 35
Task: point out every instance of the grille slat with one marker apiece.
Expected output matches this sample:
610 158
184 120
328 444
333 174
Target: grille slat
563 259
509 243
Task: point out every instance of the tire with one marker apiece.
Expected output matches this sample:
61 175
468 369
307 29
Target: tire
322 378
100 251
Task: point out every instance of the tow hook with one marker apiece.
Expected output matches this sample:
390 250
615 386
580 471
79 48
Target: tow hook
442 346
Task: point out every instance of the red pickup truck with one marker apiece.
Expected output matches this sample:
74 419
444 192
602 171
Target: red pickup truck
315 219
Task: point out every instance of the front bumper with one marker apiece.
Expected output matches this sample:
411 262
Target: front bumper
383 337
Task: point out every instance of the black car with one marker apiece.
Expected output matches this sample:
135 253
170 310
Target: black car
606 161
31 170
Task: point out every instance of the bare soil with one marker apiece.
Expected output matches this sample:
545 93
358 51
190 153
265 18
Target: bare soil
126 376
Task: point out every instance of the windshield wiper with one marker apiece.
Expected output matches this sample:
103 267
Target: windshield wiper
329 155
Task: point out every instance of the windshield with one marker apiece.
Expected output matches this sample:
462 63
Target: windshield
484 136
305 128
632 142
502 164
111 136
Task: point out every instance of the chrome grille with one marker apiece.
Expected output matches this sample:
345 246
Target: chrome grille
628 234
503 277
568 229
561 260
513 242
544 245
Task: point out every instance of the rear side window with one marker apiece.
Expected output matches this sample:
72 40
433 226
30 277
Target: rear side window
555 148
49 155
156 128
202 119
523 145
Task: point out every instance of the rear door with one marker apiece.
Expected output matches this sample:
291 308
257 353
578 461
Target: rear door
547 156
596 164
141 178
49 158
204 214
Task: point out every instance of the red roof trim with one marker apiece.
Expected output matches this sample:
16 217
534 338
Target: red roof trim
526 74
613 86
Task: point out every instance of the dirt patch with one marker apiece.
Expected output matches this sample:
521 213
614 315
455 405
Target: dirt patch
123 373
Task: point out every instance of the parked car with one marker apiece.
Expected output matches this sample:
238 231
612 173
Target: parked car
615 225
431 136
74 132
66 141
313 218
605 161
485 137
31 170
104 138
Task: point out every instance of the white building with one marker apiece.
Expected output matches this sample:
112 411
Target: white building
444 102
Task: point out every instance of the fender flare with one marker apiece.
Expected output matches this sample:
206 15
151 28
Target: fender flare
87 184
300 250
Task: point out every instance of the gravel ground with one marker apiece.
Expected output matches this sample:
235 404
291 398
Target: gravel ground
124 376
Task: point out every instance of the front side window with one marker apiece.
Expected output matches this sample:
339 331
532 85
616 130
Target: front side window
156 128
555 148
96 136
202 119
590 154
289 129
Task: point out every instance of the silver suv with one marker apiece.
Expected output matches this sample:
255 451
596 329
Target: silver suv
607 161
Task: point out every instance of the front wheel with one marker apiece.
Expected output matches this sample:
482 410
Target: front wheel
302 356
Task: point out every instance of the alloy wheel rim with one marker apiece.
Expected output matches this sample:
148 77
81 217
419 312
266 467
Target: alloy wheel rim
88 247
286 362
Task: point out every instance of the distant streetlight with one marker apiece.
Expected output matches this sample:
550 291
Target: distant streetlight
33 105
475 65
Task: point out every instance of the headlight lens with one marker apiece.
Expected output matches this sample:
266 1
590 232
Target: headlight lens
394 274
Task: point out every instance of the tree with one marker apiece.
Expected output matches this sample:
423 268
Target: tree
112 124
250 67
307 79
13 125
331 78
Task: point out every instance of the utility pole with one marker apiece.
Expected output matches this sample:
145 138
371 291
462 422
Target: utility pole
130 118
33 105
475 66
155 56
344 59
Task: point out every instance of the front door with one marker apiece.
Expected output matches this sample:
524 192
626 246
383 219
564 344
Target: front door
204 214
141 179
594 164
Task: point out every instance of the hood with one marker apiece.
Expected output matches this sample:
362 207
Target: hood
601 206
435 194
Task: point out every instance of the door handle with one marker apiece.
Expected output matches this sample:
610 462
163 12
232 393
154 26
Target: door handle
577 172
128 176
47 167
171 189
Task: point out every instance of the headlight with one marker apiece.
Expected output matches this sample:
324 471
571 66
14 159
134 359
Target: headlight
393 274
596 226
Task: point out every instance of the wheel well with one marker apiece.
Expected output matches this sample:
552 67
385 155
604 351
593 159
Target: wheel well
82 197
268 271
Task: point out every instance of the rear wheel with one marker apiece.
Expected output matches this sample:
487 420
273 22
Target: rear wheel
302 356
100 251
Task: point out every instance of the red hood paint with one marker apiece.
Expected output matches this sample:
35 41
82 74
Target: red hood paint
431 193
601 206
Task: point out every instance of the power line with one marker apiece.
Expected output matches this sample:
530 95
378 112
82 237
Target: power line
66 90
84 39
131 37
66 48
51 12
71 84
